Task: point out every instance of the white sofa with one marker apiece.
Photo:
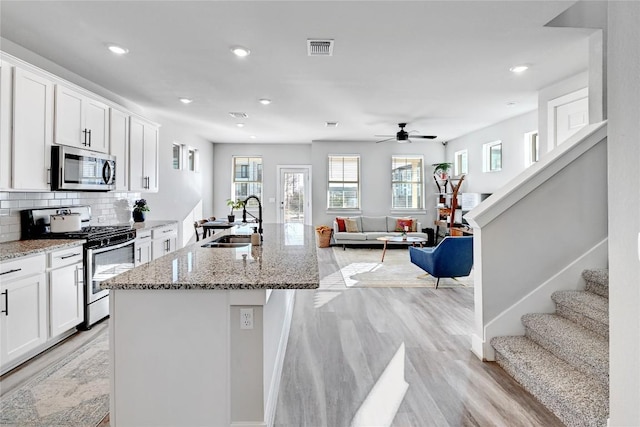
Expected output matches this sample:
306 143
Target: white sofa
372 227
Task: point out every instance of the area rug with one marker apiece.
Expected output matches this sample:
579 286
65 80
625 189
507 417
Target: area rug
362 268
71 392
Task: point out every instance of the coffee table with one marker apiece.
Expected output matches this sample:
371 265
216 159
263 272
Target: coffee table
400 240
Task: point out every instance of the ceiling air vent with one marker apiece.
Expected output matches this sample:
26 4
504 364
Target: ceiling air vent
317 47
239 115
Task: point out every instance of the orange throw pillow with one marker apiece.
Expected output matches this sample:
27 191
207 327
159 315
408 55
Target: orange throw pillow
401 223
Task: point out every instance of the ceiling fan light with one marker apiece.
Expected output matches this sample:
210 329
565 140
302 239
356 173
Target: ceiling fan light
519 68
118 50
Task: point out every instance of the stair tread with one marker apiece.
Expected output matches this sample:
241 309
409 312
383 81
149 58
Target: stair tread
567 386
589 304
597 275
577 344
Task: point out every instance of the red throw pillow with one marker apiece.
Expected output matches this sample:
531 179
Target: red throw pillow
341 226
400 223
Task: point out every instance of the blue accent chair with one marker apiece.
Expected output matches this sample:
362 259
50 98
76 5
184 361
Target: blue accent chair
453 257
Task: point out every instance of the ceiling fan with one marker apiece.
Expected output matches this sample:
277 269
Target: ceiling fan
402 136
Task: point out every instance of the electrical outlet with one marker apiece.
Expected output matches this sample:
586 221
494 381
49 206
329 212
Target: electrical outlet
246 318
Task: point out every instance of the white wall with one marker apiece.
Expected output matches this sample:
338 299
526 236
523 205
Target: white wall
624 213
375 176
272 156
511 133
180 190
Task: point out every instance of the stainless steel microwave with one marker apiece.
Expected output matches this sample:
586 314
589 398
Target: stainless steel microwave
81 170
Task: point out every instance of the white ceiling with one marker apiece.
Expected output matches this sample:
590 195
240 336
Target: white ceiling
441 66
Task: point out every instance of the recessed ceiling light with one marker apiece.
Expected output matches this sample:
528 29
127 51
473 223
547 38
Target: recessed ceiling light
519 68
240 125
240 51
252 137
118 50
186 100
264 101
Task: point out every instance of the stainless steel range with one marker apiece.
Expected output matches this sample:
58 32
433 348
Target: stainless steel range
108 251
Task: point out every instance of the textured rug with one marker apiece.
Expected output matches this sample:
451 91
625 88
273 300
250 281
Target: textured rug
362 268
72 392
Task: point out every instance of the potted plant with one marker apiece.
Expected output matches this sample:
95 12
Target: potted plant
442 169
139 209
233 204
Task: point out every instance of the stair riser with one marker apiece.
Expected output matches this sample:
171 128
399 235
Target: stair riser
563 411
598 289
599 328
598 371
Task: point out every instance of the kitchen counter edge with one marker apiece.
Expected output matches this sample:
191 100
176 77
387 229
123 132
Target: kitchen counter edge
22 248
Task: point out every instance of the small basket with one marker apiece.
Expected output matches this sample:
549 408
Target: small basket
324 236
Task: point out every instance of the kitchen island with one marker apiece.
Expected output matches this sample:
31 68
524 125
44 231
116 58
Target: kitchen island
198 337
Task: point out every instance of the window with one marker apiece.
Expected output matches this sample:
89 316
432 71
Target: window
193 159
406 182
247 179
344 182
492 156
460 163
531 148
177 156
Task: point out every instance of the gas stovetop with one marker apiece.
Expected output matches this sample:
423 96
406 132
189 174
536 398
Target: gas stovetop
90 233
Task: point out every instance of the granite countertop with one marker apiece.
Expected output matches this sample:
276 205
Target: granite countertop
283 261
20 248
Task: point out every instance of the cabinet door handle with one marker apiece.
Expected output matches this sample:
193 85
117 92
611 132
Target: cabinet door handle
10 271
89 132
6 302
84 132
139 254
69 256
48 176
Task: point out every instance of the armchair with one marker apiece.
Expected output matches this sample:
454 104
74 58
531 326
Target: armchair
453 257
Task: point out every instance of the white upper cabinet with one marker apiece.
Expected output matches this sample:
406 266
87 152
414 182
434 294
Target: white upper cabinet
5 125
143 155
119 143
32 131
81 121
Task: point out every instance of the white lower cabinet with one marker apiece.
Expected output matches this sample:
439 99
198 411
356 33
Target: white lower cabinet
142 248
164 240
23 306
66 297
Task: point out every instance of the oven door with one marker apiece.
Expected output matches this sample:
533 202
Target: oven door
105 263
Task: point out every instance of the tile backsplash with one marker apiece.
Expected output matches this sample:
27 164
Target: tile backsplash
106 208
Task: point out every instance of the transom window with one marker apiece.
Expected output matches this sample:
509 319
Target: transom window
531 148
406 182
343 187
247 179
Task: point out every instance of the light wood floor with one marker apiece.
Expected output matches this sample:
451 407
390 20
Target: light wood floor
341 341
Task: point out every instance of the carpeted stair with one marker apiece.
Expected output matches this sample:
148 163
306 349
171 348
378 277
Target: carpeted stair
563 359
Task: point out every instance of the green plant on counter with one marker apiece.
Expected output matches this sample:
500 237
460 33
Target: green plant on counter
141 206
234 204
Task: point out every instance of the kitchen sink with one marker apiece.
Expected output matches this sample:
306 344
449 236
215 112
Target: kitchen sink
229 241
224 245
233 238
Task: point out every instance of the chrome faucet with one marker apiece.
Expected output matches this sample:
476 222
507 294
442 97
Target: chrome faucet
244 213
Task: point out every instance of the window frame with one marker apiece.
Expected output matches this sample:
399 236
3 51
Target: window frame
259 182
180 159
487 149
420 191
461 167
357 182
531 148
